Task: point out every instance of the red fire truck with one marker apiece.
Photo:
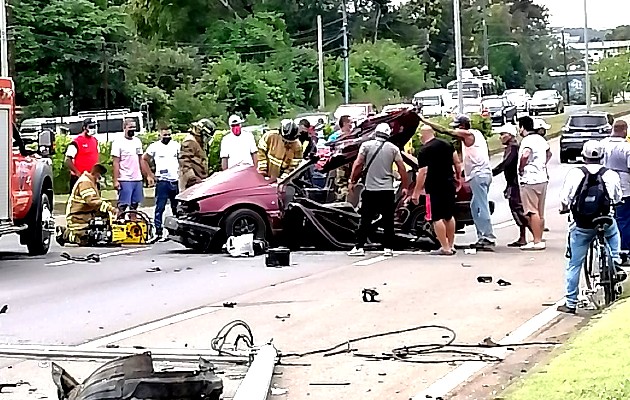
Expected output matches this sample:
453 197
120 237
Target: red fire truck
26 190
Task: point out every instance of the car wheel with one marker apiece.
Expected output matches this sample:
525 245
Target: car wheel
421 227
515 119
503 120
244 221
38 236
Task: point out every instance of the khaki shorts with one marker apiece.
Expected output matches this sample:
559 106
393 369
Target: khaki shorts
533 198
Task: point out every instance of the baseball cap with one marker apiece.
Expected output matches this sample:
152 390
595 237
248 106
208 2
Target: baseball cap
592 150
508 129
88 122
460 119
540 123
383 129
235 120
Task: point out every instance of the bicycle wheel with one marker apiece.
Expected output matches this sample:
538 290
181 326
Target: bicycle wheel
589 278
606 278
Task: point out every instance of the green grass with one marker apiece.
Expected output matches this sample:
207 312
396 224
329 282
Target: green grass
593 365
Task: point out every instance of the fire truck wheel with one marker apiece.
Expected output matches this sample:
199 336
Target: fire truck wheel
38 241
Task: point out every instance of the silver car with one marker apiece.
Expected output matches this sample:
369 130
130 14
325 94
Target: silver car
550 101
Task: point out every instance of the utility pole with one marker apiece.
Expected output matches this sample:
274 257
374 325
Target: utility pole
458 54
320 62
586 66
346 53
486 48
106 87
566 73
4 52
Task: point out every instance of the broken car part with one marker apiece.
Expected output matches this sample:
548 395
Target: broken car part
502 282
133 377
369 296
4 309
93 257
484 279
278 257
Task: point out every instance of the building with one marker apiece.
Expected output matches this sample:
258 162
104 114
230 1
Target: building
604 49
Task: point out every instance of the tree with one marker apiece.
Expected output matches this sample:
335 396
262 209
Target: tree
619 33
612 76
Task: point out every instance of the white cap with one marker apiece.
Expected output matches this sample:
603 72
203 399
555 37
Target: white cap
509 129
235 120
383 129
592 150
540 123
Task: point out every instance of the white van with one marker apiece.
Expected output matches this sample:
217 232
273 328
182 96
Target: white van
435 102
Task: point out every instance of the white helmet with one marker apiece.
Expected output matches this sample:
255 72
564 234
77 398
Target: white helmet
235 120
592 150
383 130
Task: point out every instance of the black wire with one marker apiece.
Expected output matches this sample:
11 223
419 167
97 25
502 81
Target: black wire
219 340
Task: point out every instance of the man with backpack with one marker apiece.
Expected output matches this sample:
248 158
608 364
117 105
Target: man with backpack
588 192
374 167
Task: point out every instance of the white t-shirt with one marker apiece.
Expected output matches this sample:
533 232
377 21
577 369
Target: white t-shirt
128 150
476 157
238 149
166 158
574 179
535 170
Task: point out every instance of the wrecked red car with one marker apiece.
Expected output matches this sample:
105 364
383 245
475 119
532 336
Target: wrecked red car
301 211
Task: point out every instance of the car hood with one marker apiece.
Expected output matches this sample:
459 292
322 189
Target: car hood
344 151
231 180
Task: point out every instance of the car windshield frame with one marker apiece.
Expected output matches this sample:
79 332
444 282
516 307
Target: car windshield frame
599 121
435 101
544 95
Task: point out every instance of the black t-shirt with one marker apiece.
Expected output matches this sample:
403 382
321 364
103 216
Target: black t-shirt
437 156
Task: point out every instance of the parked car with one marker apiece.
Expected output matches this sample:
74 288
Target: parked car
314 118
546 101
435 102
396 107
581 127
358 112
500 109
519 97
300 211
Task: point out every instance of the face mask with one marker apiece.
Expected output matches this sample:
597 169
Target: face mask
131 132
91 131
166 140
236 130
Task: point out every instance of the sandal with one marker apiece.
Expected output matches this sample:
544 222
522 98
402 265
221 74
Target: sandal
517 244
441 252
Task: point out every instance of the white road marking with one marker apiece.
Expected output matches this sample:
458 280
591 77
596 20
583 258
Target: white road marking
452 380
104 255
140 329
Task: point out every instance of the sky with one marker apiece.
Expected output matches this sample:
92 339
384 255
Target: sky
602 14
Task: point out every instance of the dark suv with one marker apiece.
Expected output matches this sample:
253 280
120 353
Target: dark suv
580 128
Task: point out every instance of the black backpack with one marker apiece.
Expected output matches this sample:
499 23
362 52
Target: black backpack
591 200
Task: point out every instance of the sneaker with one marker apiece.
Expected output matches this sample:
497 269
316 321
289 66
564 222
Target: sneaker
566 309
531 246
483 243
388 252
356 252
59 231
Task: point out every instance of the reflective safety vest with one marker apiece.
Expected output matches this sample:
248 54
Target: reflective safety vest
87 152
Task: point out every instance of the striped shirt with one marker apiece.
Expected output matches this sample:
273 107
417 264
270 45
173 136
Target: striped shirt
277 157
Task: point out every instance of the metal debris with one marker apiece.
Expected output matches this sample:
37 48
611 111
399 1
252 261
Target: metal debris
329 383
502 282
283 317
154 269
484 279
369 296
4 309
229 304
92 257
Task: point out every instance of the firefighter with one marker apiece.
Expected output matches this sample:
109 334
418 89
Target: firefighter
84 203
193 160
279 153
82 152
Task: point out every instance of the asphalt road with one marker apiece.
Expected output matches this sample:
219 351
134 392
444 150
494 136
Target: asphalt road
77 302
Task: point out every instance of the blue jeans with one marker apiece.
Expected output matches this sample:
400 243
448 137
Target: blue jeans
164 191
130 195
622 215
479 207
579 242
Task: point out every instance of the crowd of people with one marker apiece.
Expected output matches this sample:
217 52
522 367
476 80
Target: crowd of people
169 166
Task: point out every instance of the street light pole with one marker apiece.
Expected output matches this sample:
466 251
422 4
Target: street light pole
346 53
586 66
566 73
486 45
458 55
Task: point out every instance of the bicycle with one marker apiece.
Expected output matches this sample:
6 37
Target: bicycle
600 281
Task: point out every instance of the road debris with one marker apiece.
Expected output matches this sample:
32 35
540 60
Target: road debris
470 252
278 257
502 282
4 309
154 269
189 268
488 342
466 265
92 257
177 270
135 377
369 296
278 391
484 279
229 304
329 384
283 317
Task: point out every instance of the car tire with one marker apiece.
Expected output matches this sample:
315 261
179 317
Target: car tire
503 120
38 238
515 119
421 227
243 221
